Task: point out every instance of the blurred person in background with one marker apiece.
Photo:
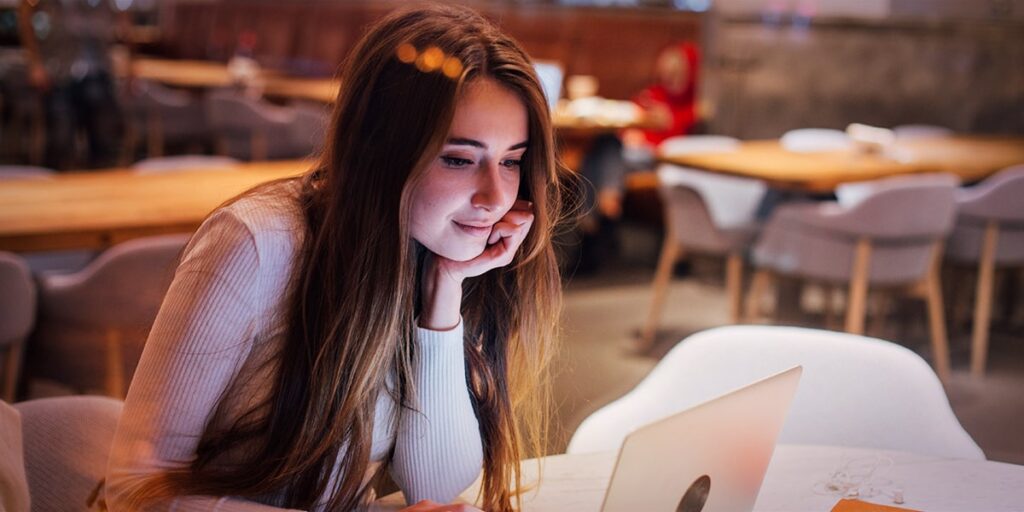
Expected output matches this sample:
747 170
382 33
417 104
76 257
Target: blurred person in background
670 104
67 44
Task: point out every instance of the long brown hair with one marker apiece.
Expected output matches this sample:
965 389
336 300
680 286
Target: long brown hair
355 288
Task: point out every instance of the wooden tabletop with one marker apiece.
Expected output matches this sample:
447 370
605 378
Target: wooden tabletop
972 158
197 74
797 479
98 209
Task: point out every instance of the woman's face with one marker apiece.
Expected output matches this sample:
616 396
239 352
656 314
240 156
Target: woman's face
473 182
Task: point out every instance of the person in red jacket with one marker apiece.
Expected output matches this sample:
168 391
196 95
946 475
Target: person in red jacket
671 103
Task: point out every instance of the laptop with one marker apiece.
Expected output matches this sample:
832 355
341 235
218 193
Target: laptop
709 458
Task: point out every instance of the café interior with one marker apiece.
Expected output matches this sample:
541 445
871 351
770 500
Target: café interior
834 184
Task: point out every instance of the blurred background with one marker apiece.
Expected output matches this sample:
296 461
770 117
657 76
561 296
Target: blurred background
126 120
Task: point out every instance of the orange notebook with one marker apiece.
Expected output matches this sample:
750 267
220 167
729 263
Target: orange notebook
863 506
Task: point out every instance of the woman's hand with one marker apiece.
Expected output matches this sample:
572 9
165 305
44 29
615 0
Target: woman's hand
431 506
442 287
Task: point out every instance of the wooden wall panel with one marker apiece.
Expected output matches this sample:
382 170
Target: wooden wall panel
616 45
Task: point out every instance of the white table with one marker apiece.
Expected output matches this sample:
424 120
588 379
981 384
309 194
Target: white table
797 479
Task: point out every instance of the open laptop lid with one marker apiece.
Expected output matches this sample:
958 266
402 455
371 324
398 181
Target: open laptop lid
709 458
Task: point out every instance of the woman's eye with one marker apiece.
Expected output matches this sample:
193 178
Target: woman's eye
453 161
512 163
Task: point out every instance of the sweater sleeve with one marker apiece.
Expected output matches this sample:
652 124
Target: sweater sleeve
438 451
201 335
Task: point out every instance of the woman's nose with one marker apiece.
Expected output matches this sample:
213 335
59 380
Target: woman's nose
490 193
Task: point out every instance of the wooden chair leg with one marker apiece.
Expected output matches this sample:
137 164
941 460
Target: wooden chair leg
758 284
12 367
670 253
855 307
983 299
734 286
115 365
829 306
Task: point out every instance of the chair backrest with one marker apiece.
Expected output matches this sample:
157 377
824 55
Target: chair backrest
124 286
234 111
999 197
14 495
731 201
24 172
809 140
855 391
905 132
908 206
184 163
180 113
308 129
67 442
17 300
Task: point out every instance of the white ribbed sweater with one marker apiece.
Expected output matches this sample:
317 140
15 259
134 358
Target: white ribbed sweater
202 366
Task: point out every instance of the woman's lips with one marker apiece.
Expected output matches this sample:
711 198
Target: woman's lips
479 231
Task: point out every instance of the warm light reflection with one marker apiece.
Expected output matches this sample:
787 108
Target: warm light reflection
430 59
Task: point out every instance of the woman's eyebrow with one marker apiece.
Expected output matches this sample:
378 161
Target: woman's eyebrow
459 141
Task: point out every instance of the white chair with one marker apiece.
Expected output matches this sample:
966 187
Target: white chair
184 163
93 323
905 132
809 140
704 213
17 316
989 232
855 391
67 441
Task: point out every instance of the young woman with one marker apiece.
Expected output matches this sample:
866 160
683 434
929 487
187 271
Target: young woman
391 311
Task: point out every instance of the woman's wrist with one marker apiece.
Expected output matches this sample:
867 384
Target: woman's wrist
442 300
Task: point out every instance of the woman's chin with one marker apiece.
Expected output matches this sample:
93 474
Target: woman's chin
462 253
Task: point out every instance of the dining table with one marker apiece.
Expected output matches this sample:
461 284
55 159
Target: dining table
98 209
970 157
800 478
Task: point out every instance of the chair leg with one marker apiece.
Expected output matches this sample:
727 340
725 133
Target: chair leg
983 300
758 284
829 306
11 372
855 309
670 253
115 365
154 135
734 285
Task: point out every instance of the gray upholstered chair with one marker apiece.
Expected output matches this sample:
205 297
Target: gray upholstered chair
93 323
14 496
17 316
901 406
704 213
891 238
67 442
184 163
309 127
163 115
251 129
989 232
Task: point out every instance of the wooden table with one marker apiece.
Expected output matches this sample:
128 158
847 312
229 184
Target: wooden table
200 74
85 210
797 480
972 158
